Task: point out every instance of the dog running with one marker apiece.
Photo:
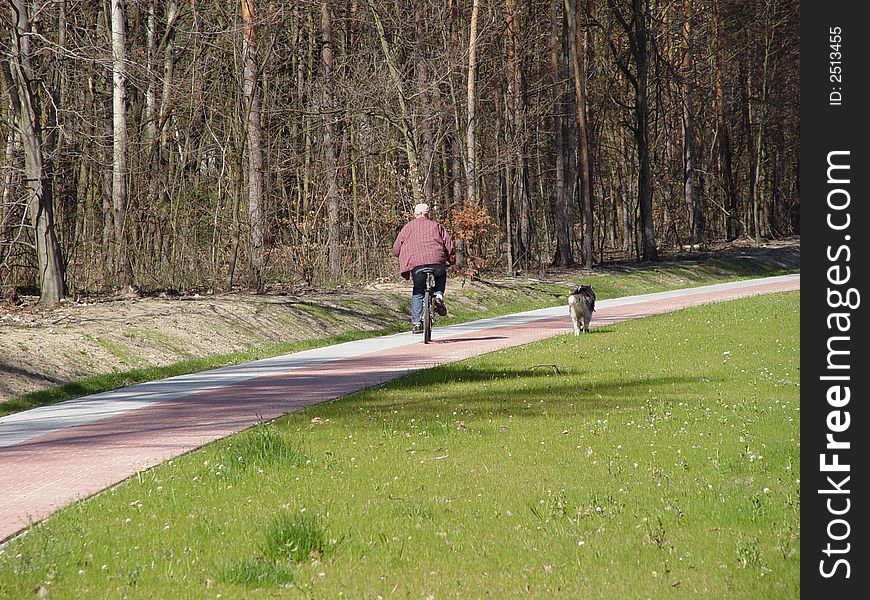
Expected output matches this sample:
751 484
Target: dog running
581 305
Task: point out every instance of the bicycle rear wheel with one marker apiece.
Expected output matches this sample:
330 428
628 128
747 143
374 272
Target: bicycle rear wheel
427 317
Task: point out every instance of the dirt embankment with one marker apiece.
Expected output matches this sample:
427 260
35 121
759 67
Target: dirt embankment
41 347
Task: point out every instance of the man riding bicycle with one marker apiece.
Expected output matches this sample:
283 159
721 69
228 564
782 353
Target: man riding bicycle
424 244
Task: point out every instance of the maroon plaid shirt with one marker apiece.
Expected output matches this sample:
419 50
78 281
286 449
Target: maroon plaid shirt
423 242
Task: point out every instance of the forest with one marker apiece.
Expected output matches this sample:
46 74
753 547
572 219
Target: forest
215 145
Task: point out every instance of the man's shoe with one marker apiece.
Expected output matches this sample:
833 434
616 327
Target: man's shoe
440 307
418 328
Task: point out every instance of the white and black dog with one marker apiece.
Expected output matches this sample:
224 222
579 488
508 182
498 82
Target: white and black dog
581 305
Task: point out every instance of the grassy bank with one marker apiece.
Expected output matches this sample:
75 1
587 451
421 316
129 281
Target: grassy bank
657 458
466 304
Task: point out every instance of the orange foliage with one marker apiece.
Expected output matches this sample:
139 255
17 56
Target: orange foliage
473 225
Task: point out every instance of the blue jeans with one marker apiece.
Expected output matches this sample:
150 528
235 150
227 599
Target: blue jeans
419 279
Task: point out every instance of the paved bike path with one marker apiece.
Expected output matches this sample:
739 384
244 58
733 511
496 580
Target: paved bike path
55 455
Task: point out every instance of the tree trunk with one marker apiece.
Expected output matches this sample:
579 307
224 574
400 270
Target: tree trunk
18 72
748 108
333 241
105 157
731 221
564 255
427 141
759 221
168 44
308 116
644 182
455 141
150 116
120 166
691 179
255 145
584 171
471 89
236 228
515 108
628 209
638 35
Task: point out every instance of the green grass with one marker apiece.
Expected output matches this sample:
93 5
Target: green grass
499 299
657 458
631 280
294 536
119 351
149 335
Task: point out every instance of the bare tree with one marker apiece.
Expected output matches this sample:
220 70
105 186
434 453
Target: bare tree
635 26
177 155
730 208
256 177
26 104
330 141
759 223
691 177
471 96
578 63
120 166
518 196
564 254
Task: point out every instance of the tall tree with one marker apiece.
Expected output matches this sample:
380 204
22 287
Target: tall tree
691 176
516 121
330 141
471 106
256 176
584 167
759 111
564 253
635 26
24 91
455 142
120 164
725 168
167 43
150 115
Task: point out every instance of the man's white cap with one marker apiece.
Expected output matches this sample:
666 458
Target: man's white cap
421 209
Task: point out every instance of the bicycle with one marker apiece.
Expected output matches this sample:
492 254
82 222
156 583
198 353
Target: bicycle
428 310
